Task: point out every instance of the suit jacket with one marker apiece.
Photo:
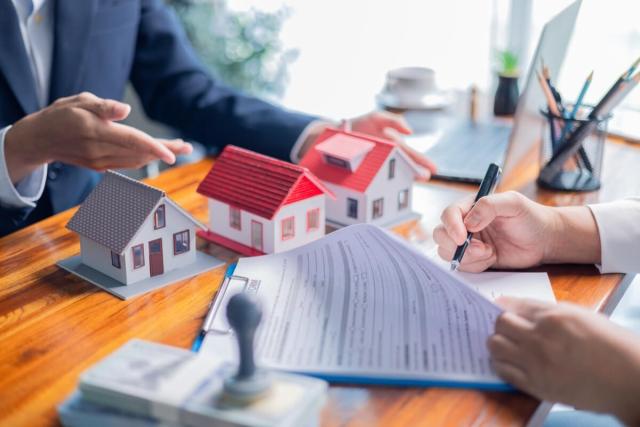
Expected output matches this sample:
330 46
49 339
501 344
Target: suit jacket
99 46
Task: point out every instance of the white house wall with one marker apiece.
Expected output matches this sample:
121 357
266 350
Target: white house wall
337 209
388 189
380 187
175 221
98 257
271 229
299 211
219 223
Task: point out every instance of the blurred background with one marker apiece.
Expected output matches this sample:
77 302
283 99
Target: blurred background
330 57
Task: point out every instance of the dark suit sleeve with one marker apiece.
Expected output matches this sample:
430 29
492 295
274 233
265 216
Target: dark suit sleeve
11 219
176 89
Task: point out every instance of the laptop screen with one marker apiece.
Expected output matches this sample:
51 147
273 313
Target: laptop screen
552 48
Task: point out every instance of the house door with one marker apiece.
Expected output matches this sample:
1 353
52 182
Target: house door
156 264
256 235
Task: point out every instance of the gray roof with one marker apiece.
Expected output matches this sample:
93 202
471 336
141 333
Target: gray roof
115 210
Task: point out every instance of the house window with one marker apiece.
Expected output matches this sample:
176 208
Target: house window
352 208
288 228
159 218
181 242
377 208
313 219
336 162
403 199
234 218
115 259
138 256
392 168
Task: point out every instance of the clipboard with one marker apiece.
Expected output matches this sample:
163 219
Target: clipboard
214 324
209 325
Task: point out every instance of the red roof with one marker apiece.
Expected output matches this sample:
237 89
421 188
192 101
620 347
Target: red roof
358 180
258 184
345 147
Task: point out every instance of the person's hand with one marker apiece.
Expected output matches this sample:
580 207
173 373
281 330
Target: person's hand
381 124
81 130
564 353
393 127
511 231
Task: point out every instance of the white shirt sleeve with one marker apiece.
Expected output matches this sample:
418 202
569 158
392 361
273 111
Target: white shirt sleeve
311 127
619 229
25 193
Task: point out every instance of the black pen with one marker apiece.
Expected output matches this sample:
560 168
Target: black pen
487 186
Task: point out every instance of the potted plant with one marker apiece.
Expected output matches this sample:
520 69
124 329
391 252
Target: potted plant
242 48
507 94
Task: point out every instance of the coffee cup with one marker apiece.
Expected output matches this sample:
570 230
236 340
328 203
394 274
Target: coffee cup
412 88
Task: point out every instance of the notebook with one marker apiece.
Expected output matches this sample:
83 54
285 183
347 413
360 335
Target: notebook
362 306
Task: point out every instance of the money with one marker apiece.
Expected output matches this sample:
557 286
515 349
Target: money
179 387
78 412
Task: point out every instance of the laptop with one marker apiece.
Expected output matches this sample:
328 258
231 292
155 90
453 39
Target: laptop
464 151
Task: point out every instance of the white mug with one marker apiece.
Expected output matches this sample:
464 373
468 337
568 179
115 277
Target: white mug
416 81
411 87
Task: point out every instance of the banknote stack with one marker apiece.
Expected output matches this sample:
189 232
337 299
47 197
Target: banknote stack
147 384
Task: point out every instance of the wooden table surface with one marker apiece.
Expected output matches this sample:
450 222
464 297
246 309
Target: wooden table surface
53 326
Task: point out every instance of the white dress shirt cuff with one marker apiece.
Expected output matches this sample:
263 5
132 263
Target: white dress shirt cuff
619 229
311 127
25 193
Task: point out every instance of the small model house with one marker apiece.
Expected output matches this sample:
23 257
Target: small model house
258 204
130 231
371 178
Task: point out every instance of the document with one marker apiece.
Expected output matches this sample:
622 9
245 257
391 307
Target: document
362 305
495 284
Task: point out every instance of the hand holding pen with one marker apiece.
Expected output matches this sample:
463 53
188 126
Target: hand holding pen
509 231
489 183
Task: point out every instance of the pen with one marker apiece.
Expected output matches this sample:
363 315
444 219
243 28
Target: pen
487 186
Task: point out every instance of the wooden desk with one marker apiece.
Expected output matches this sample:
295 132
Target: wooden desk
53 326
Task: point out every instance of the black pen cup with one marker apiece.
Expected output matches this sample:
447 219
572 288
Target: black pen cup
582 170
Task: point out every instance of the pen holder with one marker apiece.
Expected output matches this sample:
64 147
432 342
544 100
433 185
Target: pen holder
581 170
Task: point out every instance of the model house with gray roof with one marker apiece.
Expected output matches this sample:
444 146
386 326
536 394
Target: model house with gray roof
131 231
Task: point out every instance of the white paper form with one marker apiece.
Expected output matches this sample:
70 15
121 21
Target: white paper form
494 284
362 303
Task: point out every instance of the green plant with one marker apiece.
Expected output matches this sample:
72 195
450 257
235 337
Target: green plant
241 48
508 63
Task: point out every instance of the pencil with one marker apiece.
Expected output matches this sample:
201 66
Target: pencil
583 91
632 69
582 155
576 106
556 95
614 89
623 90
553 107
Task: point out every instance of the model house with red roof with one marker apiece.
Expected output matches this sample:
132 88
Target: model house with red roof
371 178
258 204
